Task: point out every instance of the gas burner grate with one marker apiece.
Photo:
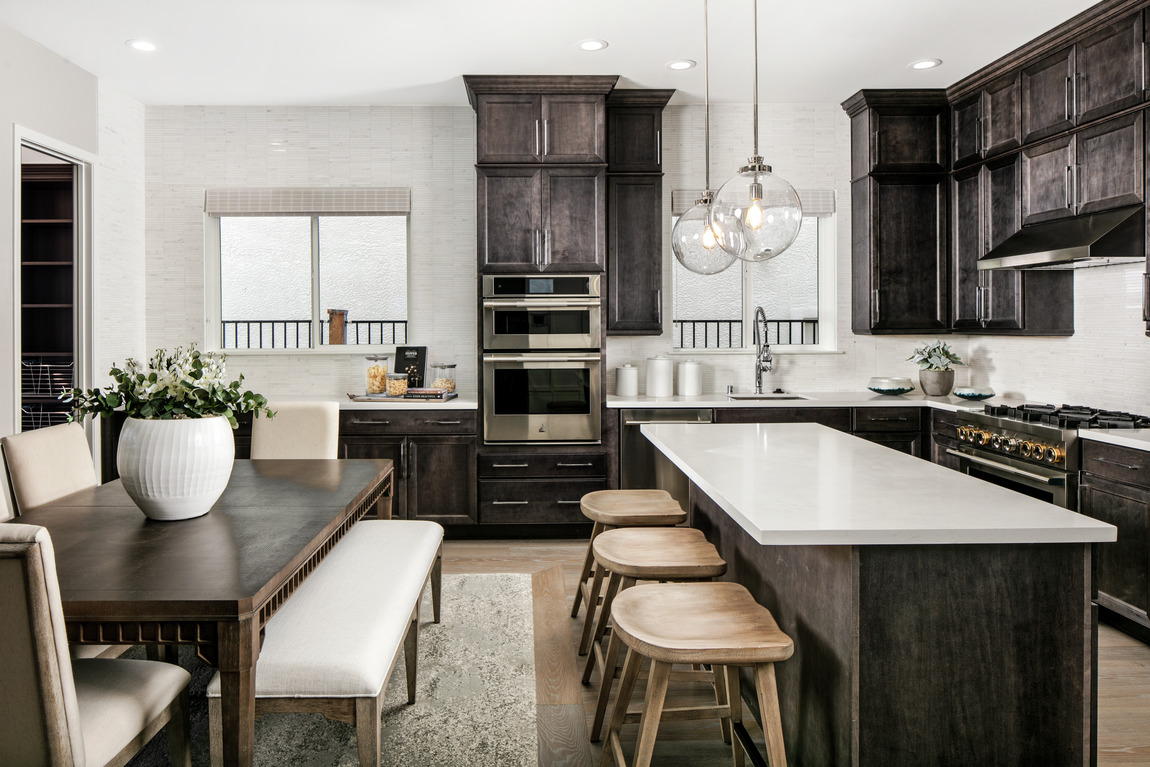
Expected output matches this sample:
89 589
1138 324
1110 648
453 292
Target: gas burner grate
1070 416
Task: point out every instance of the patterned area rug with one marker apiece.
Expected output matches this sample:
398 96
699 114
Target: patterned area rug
475 702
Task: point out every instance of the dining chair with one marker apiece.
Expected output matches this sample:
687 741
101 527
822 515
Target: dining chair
298 430
47 464
60 711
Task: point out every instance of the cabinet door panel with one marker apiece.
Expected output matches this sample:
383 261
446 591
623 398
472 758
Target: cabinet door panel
574 129
834 417
634 140
394 448
1047 96
1122 568
1110 164
535 501
1002 299
908 140
573 204
1046 181
441 482
908 262
508 128
908 443
965 130
966 247
1001 128
635 255
509 215
1110 69
890 419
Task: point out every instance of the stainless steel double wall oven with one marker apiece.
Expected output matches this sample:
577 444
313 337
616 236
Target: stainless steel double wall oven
541 358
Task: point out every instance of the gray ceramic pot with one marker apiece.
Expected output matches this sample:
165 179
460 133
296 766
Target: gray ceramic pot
936 383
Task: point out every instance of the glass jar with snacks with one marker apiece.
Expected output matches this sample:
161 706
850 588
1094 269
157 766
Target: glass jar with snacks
376 373
443 376
396 384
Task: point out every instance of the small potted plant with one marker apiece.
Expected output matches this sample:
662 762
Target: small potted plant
176 449
935 375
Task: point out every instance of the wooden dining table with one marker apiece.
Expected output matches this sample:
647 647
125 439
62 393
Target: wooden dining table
212 582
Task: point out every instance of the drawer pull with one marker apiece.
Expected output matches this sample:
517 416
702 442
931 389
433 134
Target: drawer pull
1116 463
509 466
573 465
568 503
510 503
446 423
889 418
369 422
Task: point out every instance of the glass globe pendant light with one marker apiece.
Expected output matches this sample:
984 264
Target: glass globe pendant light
692 240
756 214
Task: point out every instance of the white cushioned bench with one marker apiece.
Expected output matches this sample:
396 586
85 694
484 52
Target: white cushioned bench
333 644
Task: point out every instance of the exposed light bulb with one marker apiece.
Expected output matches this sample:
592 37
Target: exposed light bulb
754 217
709 238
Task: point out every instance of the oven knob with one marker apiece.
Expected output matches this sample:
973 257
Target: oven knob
1053 455
996 441
981 437
1011 445
963 433
1026 449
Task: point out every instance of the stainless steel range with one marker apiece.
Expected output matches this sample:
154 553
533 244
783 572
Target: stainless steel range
1032 448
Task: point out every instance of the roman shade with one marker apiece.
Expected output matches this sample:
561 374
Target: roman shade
308 201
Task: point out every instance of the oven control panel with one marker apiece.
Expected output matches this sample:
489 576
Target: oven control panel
1021 445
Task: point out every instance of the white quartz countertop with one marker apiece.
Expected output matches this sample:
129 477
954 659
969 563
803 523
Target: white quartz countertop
1138 439
806 484
803 399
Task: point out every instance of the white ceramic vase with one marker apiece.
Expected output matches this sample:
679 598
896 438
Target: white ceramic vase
175 469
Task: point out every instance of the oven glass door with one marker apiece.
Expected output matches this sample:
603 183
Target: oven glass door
1048 485
541 398
542 324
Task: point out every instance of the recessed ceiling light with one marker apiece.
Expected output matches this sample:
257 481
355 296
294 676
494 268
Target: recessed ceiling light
925 64
140 45
592 45
680 64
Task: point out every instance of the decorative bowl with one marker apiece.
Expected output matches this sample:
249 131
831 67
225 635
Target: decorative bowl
890 386
973 393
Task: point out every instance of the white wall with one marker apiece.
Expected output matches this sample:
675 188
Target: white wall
430 149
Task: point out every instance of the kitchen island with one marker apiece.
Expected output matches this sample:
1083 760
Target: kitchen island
937 619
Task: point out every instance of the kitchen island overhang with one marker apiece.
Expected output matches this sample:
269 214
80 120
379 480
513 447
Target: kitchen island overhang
928 629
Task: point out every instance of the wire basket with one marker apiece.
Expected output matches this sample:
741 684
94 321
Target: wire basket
40 416
49 379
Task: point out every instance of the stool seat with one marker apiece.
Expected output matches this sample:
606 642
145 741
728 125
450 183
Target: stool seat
716 622
657 554
622 508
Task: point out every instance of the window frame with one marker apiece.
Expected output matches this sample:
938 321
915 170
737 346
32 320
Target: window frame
828 301
213 290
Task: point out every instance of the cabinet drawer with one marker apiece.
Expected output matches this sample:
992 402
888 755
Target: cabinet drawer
834 417
522 465
887 419
1118 463
534 501
407 422
944 424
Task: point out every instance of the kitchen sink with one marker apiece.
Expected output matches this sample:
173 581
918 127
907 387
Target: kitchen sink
767 396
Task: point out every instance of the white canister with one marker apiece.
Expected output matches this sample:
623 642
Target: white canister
690 379
627 381
660 375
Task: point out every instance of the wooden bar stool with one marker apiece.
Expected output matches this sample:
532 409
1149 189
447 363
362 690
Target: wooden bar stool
639 554
711 623
609 509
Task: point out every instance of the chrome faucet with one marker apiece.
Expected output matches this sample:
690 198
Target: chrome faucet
763 359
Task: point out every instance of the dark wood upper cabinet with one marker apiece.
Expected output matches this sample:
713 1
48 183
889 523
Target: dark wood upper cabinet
898 132
510 211
1048 181
635 254
574 129
987 123
1110 69
574 201
1048 96
966 131
966 247
1109 171
635 130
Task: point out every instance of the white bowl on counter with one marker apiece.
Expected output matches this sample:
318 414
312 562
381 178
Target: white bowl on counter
890 386
974 392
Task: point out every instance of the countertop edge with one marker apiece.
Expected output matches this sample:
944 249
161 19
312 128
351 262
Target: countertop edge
1135 439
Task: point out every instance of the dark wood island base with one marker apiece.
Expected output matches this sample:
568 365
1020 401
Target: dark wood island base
925 654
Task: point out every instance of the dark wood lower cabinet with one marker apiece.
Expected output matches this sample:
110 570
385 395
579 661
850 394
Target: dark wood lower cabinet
834 417
905 442
538 488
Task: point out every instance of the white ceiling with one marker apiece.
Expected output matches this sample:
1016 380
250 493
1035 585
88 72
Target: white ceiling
354 52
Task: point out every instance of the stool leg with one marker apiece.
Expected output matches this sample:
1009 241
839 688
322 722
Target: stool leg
652 712
769 711
436 585
736 703
721 699
592 601
585 573
614 586
631 668
608 674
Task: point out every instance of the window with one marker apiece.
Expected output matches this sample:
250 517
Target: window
298 277
796 291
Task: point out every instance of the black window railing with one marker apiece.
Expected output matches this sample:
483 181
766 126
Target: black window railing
728 334
297 334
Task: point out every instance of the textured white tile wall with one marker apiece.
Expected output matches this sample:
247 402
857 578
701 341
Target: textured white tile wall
430 149
118 273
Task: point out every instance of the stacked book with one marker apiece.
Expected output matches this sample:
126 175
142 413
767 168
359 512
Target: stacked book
427 393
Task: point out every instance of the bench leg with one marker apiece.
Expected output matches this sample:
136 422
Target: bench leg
215 732
411 654
367 716
179 737
436 584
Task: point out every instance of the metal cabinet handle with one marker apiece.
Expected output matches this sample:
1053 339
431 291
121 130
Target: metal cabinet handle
536 234
403 459
659 306
978 135
978 304
874 148
547 248
1146 297
510 503
1116 463
446 423
659 144
573 465
1066 187
1066 99
1005 468
414 463
888 418
509 466
368 422
567 503
546 143
876 315
537 139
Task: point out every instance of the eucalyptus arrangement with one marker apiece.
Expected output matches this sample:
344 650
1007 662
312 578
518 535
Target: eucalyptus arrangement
935 356
186 383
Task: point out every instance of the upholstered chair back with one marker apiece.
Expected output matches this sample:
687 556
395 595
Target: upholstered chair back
298 430
39 713
47 464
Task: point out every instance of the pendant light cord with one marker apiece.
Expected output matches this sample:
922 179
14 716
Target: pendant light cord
706 100
755 95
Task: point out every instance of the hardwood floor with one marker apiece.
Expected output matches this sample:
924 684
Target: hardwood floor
1123 669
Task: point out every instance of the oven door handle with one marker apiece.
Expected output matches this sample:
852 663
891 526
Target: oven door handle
541 358
540 303
1006 468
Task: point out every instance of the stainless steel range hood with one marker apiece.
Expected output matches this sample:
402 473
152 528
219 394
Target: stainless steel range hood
1096 239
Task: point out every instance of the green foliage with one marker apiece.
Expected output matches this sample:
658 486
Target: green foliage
187 383
935 356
